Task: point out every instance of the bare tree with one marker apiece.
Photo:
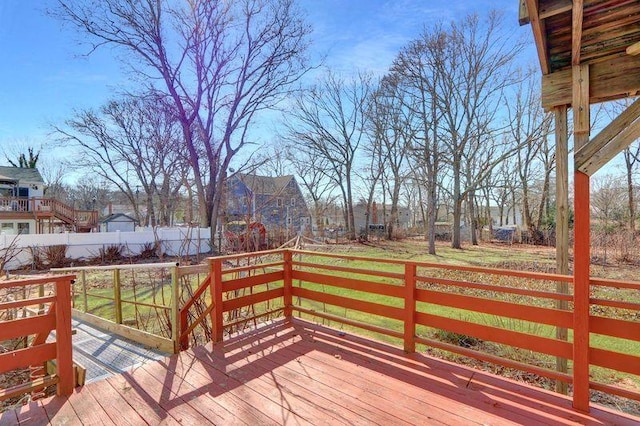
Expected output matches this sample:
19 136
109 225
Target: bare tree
474 71
219 63
312 171
415 69
631 159
329 121
529 128
392 135
132 143
631 156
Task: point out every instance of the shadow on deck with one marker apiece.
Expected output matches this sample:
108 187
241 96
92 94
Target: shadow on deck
301 373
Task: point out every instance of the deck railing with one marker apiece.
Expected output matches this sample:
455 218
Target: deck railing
39 206
29 316
506 318
136 301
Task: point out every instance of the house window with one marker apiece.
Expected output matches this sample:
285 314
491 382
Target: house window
23 227
7 227
293 202
279 202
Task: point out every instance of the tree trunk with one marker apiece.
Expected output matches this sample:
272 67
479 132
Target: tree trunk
632 204
457 210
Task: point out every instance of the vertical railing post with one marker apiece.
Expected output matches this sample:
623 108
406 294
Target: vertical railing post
175 309
581 287
288 291
41 294
83 277
216 299
409 307
64 349
117 296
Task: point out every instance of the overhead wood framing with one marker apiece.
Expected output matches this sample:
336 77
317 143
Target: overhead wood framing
589 52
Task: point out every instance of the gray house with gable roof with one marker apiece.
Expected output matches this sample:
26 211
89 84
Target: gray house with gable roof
277 202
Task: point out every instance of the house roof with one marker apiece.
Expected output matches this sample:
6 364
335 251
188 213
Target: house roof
20 174
265 184
118 217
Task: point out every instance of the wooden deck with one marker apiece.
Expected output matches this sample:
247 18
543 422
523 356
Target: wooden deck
299 373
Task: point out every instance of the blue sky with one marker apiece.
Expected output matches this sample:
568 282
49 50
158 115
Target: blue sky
44 75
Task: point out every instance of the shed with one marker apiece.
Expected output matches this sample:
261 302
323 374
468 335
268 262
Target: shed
118 222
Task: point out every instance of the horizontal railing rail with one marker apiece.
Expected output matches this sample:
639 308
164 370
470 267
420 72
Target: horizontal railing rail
29 316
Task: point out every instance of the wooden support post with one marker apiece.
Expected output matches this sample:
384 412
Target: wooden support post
288 282
175 309
64 349
217 324
582 261
83 276
582 244
117 296
409 307
562 227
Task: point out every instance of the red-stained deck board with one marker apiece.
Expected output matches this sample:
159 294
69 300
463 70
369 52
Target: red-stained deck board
32 414
397 397
114 405
59 411
504 398
88 410
222 409
385 400
403 376
296 371
302 405
241 399
147 407
299 373
187 412
330 401
8 418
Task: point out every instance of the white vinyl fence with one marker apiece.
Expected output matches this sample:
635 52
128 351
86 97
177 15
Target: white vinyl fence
172 242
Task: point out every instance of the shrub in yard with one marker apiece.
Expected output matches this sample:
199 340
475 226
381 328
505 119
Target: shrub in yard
49 256
111 253
148 251
457 339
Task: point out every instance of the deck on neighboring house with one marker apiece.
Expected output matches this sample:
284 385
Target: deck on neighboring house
299 373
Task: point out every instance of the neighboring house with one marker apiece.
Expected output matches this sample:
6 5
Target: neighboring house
118 222
507 216
276 202
383 214
24 210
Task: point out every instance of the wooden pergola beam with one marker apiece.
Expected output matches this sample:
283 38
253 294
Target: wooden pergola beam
539 34
555 7
583 155
576 31
612 79
551 8
622 140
